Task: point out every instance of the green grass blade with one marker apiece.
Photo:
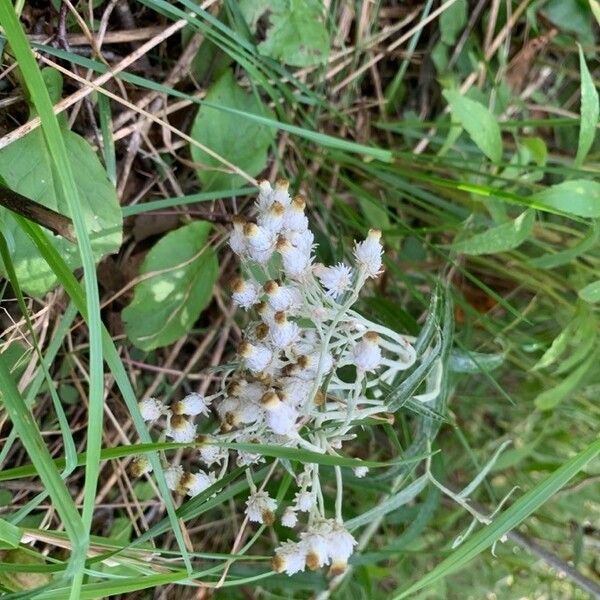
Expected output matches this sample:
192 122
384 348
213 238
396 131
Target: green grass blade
508 520
73 288
70 450
30 437
65 182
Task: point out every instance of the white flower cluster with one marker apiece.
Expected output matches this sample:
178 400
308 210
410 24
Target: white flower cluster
288 389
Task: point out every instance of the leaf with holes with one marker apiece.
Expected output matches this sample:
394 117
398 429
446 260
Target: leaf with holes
296 36
240 141
180 271
25 166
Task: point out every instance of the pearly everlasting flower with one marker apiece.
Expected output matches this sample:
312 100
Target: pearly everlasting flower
196 483
180 430
211 454
367 353
251 392
368 253
265 196
141 466
340 547
260 242
272 219
302 240
289 518
305 501
237 240
250 412
296 261
280 193
150 409
281 298
192 405
294 218
245 293
336 280
360 472
260 508
287 388
256 357
173 476
317 545
296 391
283 332
289 557
282 419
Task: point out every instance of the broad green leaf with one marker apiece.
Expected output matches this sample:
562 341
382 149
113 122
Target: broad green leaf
591 292
499 239
537 148
479 123
241 141
589 111
25 165
182 269
580 197
552 397
54 83
297 34
572 16
452 21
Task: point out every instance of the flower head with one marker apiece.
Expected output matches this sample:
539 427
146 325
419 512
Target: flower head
256 356
289 557
192 405
368 253
367 353
173 476
140 466
245 293
294 218
260 508
289 518
196 483
336 280
151 409
180 430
